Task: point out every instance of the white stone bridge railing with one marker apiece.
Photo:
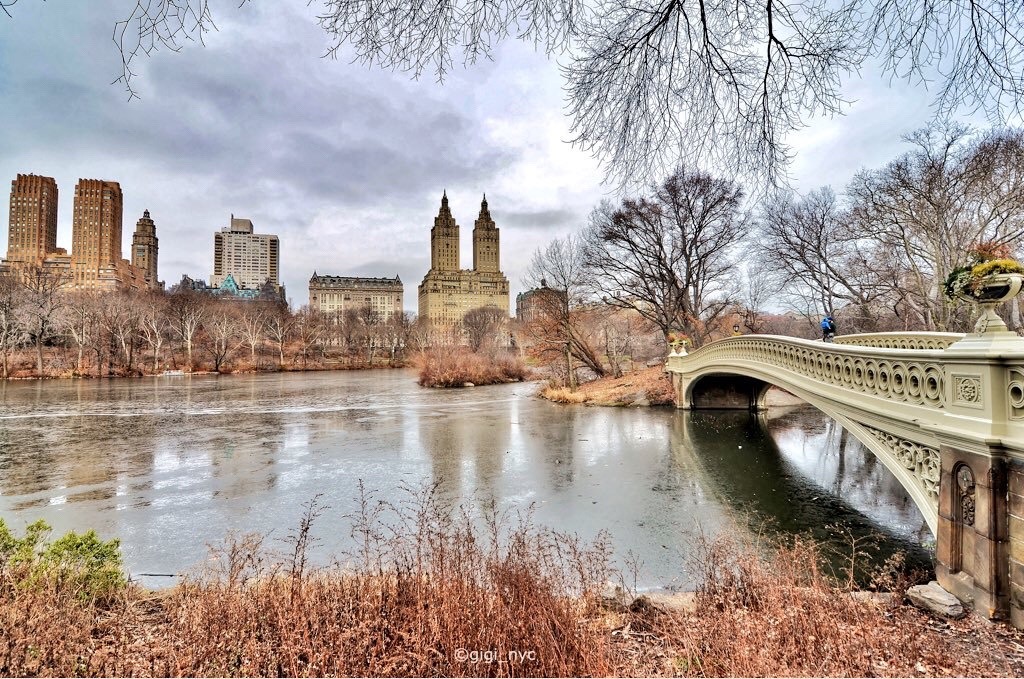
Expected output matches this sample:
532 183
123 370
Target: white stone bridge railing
980 387
902 340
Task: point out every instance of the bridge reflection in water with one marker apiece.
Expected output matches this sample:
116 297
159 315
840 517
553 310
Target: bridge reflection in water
779 491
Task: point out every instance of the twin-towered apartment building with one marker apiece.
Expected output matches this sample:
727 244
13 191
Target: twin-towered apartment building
447 291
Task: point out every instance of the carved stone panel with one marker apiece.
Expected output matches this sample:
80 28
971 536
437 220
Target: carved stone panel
921 461
1015 393
965 491
967 391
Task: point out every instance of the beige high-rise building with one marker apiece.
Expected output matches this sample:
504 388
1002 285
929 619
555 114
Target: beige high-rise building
95 261
448 292
145 246
32 229
337 294
251 259
95 231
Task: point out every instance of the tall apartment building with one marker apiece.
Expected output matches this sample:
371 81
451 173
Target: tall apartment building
448 292
336 294
95 231
539 303
251 259
95 261
32 229
145 246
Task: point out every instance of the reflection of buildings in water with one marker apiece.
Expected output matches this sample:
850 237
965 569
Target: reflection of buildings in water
489 450
559 448
467 450
443 441
253 454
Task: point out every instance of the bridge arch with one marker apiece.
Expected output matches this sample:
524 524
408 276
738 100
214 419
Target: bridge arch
915 464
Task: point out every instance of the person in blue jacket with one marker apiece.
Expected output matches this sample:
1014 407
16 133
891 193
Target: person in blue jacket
828 328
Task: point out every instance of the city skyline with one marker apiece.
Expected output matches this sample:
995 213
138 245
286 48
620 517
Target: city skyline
344 163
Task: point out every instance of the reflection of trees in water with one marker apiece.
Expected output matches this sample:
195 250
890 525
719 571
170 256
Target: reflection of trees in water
740 458
844 465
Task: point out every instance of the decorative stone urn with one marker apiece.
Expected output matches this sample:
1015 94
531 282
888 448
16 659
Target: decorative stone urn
677 349
988 293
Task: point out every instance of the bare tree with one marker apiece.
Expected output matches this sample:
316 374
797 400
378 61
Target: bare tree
309 331
42 302
80 322
924 210
253 328
222 326
120 316
399 334
280 325
810 245
671 255
11 331
484 326
656 82
186 310
761 285
154 325
559 303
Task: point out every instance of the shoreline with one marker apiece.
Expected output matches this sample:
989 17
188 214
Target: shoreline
206 373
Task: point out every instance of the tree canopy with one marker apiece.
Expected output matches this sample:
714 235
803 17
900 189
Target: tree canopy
651 84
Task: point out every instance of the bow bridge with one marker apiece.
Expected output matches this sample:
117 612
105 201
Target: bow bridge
944 412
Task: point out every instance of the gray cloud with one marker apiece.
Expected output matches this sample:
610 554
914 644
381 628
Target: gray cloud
346 164
542 219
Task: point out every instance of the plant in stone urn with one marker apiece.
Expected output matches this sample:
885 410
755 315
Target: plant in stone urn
989 276
678 341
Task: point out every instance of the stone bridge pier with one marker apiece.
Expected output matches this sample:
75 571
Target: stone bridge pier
944 412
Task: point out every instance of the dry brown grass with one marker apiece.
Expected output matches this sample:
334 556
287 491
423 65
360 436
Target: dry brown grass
428 586
562 394
650 385
457 367
783 616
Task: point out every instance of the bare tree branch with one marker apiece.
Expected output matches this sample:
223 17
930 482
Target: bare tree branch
654 83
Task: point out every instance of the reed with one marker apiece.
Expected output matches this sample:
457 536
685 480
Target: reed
432 590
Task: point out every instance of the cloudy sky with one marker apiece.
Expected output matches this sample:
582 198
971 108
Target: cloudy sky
346 164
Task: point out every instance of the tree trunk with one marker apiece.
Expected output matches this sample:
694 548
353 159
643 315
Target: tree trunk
39 355
570 374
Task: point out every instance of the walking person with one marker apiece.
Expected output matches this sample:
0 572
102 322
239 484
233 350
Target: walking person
828 328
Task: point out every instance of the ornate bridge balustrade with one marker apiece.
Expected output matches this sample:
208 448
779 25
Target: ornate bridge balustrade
944 412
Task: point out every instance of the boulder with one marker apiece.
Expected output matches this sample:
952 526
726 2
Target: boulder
932 597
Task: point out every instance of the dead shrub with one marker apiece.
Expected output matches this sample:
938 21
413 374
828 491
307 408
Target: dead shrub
456 367
431 590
